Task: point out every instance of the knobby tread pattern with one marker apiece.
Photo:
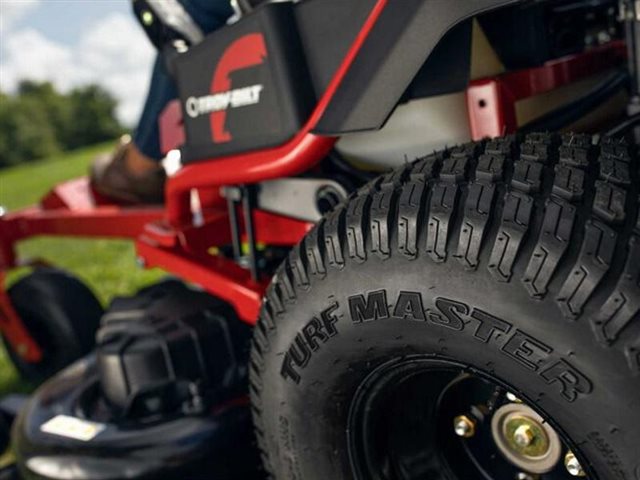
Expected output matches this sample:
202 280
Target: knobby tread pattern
569 183
623 304
614 171
559 215
609 202
444 197
355 228
593 262
516 217
379 221
551 245
313 250
490 167
527 176
477 212
410 209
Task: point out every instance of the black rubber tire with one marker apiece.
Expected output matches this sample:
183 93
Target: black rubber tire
5 434
61 313
540 236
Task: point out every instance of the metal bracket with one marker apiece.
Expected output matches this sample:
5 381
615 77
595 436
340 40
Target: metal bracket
305 199
173 15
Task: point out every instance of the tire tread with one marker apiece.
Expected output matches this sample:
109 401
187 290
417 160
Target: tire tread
550 211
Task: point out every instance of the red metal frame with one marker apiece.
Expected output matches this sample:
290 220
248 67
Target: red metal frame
14 330
492 101
166 237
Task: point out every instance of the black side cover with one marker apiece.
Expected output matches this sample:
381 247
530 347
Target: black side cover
399 44
327 29
245 87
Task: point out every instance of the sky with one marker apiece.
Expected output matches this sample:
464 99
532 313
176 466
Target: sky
76 42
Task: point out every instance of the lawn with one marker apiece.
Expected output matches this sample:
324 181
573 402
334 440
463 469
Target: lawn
107 266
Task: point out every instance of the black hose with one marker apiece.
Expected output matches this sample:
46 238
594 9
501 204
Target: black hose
577 109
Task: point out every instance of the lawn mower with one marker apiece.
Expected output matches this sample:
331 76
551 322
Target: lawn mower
391 258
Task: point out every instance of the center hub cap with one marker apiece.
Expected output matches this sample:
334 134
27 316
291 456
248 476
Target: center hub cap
524 438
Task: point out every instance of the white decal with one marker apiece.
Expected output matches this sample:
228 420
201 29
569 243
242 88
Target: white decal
72 427
238 97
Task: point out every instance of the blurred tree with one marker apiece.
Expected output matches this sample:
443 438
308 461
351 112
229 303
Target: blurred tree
93 116
26 132
38 121
55 106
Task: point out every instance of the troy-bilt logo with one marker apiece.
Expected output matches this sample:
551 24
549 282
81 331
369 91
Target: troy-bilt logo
247 51
238 97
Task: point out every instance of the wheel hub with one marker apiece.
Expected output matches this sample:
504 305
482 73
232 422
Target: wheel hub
525 439
422 418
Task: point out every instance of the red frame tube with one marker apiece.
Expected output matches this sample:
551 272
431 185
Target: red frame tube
492 101
14 330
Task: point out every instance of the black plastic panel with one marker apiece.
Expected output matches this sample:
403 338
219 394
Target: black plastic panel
266 94
327 29
448 68
405 35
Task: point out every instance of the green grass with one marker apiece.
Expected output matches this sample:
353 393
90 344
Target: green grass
107 266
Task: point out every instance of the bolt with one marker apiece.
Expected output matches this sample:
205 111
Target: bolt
573 466
3 211
147 17
464 426
523 436
180 46
526 476
512 398
140 261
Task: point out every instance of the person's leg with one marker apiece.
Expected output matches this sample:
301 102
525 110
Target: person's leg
209 14
132 173
161 91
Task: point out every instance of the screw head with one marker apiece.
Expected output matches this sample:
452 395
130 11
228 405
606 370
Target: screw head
464 426
573 466
523 435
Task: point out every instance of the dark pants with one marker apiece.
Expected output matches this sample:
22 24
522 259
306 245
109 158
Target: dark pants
210 15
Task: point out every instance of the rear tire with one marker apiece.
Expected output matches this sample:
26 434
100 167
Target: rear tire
61 314
515 262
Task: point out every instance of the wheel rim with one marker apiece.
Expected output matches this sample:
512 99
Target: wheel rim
417 418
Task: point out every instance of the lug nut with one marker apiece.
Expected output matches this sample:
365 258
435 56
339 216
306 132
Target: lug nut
523 436
526 476
464 426
512 398
573 466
